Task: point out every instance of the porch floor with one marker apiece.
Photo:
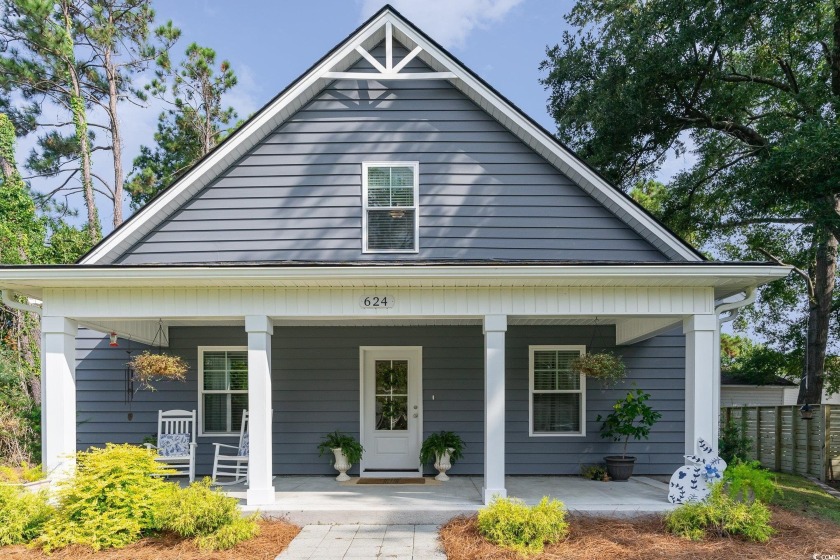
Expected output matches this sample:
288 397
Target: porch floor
320 499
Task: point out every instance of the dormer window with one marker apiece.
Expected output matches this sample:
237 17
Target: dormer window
390 207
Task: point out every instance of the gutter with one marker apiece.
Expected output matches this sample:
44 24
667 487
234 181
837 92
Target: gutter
7 297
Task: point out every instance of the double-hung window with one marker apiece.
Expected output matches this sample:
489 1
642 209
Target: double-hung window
390 207
557 394
222 388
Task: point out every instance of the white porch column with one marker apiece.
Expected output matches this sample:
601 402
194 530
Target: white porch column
58 395
701 416
260 489
494 406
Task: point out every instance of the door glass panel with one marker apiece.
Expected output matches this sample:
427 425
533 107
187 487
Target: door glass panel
391 395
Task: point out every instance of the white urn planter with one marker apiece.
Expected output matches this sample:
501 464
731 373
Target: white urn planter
443 464
342 465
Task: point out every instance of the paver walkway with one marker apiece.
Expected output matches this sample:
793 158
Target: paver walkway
394 542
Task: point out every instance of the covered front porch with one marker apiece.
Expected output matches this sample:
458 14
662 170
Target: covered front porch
259 309
317 499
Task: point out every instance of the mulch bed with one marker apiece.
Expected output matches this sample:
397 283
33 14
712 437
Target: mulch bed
645 537
274 537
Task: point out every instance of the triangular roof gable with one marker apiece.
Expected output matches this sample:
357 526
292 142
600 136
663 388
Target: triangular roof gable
380 27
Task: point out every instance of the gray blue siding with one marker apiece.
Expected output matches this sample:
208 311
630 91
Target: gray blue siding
316 390
483 193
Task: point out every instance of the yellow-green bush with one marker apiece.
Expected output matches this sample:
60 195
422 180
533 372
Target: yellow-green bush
207 514
113 500
21 474
748 480
511 524
720 515
23 514
228 536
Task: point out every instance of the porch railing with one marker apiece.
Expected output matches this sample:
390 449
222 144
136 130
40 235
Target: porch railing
783 441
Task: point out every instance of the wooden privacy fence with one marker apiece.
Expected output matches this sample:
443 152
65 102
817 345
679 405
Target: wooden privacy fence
783 441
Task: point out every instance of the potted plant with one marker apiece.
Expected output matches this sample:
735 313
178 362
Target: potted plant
345 449
631 416
149 367
605 366
445 448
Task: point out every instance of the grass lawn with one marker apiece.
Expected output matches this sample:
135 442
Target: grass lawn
802 496
274 537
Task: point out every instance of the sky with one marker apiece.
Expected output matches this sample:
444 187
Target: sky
270 43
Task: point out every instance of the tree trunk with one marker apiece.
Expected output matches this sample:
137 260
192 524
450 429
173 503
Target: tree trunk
7 168
825 270
77 107
116 138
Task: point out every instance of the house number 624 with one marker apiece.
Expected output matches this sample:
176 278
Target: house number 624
376 302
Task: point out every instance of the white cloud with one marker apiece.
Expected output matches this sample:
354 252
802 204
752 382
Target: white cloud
448 21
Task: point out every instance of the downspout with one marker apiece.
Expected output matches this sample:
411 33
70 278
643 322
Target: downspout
8 300
731 309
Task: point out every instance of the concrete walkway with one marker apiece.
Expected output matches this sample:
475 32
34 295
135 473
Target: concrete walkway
394 542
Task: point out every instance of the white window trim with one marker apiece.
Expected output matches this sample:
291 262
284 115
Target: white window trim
416 167
201 392
582 391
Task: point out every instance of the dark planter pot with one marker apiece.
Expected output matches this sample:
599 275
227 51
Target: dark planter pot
620 468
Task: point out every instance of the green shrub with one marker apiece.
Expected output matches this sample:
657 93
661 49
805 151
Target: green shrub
23 514
21 474
208 515
733 444
112 501
594 472
746 481
228 536
721 516
198 510
511 524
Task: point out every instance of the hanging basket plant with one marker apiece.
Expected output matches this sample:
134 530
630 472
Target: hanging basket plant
149 367
605 366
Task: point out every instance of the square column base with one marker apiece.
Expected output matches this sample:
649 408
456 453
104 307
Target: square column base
490 493
260 496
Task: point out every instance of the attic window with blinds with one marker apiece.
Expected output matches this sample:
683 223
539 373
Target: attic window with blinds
390 193
557 394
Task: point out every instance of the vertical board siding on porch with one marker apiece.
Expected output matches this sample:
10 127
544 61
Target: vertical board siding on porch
483 193
316 390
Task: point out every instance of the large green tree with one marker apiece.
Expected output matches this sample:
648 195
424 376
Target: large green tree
118 34
26 237
752 90
40 63
195 121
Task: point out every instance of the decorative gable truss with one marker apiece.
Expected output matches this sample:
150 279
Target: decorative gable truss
390 71
389 27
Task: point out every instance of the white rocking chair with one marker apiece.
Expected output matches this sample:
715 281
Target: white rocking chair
235 465
176 441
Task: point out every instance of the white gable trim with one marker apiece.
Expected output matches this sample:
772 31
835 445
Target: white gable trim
333 66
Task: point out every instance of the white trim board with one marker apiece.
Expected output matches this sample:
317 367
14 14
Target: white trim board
331 67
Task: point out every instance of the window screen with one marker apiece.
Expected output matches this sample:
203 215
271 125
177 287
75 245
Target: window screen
223 390
390 211
556 392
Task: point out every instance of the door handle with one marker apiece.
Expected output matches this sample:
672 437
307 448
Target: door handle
415 415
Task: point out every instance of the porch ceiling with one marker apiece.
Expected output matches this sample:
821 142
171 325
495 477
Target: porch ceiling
373 322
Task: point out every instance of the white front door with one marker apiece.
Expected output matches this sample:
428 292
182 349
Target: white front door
391 411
